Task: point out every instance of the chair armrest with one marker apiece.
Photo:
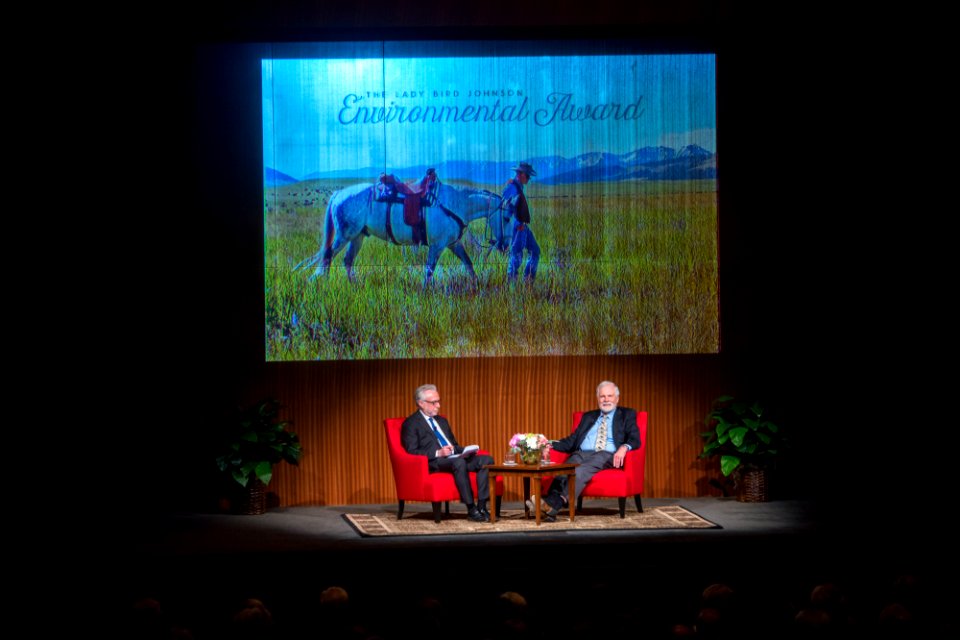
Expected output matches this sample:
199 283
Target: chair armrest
409 472
631 460
412 464
633 464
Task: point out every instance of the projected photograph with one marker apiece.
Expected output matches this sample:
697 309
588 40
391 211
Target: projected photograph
422 200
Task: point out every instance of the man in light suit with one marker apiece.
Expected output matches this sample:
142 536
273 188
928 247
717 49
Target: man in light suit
619 433
437 442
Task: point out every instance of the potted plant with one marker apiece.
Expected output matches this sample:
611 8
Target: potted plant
253 442
747 443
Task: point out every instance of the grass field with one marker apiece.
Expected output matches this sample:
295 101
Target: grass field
625 273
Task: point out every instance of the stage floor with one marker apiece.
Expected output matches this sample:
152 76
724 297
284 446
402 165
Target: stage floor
317 529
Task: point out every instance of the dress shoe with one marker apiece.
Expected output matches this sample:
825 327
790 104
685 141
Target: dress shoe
484 513
544 506
474 515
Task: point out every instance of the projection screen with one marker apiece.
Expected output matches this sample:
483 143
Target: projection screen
471 199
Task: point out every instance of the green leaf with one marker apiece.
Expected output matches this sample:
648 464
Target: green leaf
728 464
264 471
736 436
240 477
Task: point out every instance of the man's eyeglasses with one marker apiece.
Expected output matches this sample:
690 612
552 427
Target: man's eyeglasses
432 401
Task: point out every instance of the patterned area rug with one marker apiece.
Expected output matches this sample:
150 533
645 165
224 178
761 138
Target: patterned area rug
513 521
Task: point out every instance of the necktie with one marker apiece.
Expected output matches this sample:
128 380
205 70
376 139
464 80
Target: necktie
601 434
436 430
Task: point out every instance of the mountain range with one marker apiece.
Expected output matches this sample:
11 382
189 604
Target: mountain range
648 163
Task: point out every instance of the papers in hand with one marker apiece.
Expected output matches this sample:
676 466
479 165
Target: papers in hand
468 451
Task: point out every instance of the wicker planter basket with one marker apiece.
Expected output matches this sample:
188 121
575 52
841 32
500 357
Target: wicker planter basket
253 501
753 486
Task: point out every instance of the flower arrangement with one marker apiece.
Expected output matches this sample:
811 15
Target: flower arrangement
529 446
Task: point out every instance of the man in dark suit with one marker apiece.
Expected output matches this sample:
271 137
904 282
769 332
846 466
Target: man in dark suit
427 434
600 441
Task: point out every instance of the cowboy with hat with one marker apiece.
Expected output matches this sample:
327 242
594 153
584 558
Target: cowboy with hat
515 204
525 167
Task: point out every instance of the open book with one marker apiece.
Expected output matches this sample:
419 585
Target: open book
468 451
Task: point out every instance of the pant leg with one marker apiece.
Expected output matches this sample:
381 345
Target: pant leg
461 477
476 464
533 252
558 488
517 245
590 463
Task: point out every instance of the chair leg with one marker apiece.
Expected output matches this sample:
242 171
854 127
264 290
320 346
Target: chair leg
639 503
436 511
447 503
623 507
579 504
400 510
499 500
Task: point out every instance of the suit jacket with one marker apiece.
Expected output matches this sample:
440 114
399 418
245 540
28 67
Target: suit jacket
418 438
625 430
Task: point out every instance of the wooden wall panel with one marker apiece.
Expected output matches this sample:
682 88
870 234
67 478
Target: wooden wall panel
338 410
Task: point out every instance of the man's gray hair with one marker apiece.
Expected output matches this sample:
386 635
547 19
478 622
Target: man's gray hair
418 394
605 383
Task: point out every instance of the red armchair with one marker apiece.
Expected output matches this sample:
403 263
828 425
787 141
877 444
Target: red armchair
415 482
613 483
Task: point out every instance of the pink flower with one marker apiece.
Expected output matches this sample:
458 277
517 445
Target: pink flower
528 441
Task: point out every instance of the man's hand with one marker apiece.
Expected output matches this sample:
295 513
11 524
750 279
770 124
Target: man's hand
619 456
446 451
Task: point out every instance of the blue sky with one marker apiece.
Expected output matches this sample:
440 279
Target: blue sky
509 108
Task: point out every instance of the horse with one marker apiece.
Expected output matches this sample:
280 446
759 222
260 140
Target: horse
353 213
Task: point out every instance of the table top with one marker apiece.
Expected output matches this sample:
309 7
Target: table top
529 468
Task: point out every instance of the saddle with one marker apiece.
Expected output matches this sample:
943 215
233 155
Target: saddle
386 189
390 190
